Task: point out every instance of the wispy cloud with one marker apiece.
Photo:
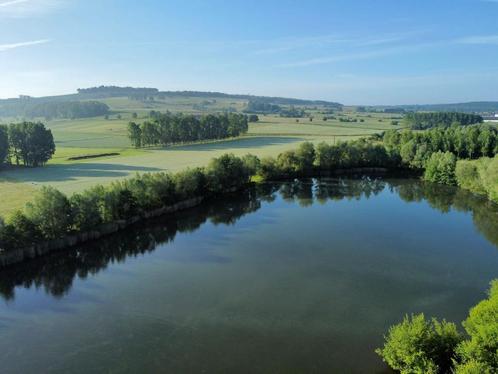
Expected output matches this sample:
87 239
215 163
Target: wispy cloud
357 56
7 47
290 44
480 39
12 2
28 8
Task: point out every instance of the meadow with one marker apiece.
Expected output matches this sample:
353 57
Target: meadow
96 136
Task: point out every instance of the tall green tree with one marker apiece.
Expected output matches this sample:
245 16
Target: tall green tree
4 144
31 143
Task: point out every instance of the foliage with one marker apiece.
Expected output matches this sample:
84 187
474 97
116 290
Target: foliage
417 345
440 168
50 212
31 143
4 144
420 346
482 328
176 128
421 120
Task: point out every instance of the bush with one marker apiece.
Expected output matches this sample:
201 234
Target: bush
440 168
50 211
420 346
18 232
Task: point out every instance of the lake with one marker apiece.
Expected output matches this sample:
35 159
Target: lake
297 277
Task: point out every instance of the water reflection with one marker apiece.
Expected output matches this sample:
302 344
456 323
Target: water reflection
56 273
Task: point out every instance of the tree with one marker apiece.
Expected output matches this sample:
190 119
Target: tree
50 212
134 115
4 144
482 328
440 168
306 156
135 134
32 143
420 346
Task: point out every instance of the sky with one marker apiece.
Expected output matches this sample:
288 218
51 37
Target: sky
370 52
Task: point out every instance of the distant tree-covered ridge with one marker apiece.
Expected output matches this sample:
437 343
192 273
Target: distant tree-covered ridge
113 91
27 143
421 121
263 107
165 129
34 108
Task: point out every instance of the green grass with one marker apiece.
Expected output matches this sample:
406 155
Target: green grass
268 137
14 195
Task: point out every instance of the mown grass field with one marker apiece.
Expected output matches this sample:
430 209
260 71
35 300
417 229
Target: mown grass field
95 136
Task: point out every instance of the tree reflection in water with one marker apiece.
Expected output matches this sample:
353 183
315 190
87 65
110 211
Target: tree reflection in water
56 272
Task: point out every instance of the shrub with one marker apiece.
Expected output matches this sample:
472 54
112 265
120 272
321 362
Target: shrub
417 345
268 169
50 211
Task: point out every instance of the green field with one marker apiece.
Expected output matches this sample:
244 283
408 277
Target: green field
94 136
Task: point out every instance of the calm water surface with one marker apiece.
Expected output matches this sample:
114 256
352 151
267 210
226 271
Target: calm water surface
298 277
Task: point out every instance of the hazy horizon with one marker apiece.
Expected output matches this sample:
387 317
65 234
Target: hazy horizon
355 53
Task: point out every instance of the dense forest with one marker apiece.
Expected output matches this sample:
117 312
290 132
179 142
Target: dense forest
165 129
34 108
28 143
422 121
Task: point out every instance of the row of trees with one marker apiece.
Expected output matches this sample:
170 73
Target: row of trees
170 128
418 345
29 143
415 147
53 215
426 120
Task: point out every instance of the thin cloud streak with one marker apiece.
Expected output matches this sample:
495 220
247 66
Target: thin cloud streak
7 47
480 39
12 2
356 56
28 8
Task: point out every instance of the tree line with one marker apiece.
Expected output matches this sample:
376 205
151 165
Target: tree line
27 143
52 214
165 129
415 148
427 120
34 108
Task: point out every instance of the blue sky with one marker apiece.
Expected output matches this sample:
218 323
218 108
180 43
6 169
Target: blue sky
354 52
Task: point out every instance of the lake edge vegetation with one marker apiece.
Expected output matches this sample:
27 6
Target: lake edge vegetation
53 215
